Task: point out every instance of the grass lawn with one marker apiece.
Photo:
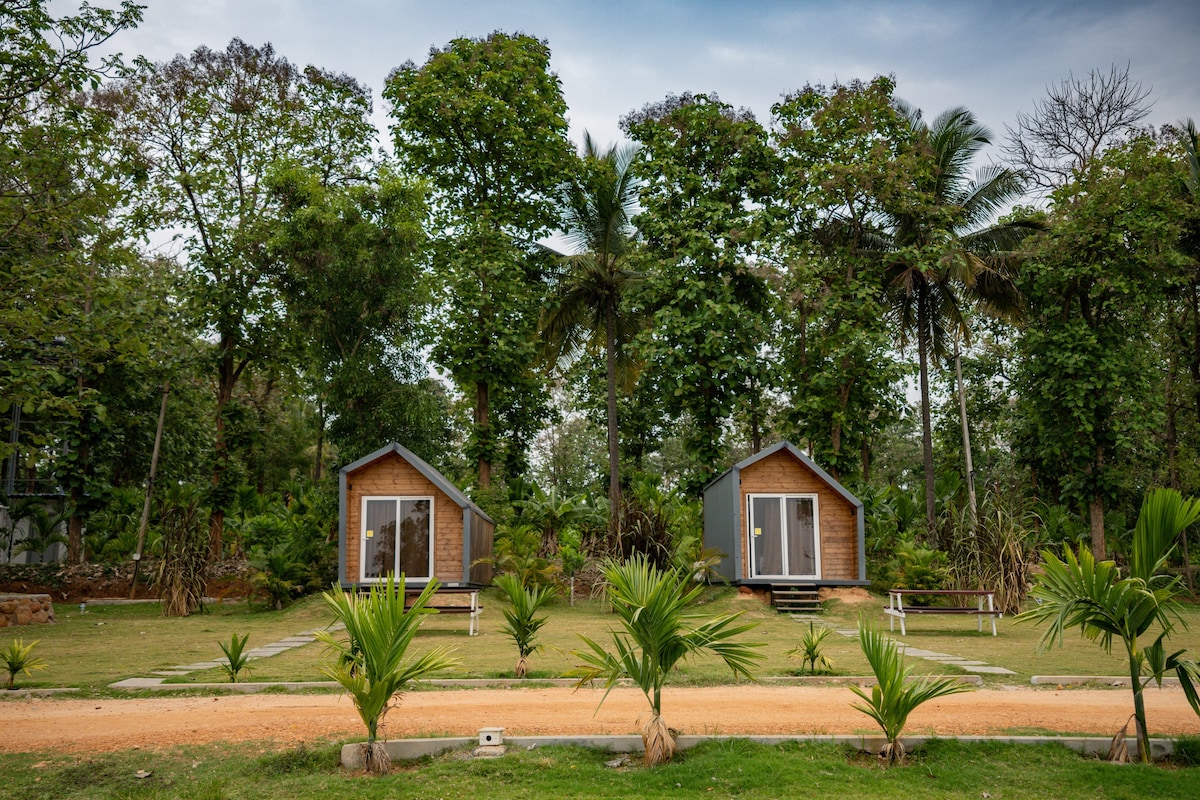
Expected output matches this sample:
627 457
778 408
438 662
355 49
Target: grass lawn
942 769
110 643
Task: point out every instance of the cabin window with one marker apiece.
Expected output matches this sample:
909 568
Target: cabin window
785 537
396 537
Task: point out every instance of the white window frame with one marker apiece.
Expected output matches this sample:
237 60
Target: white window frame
783 497
362 539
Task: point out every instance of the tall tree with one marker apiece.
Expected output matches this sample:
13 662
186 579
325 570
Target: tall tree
943 255
847 153
208 129
590 308
484 121
706 169
354 290
57 239
1095 284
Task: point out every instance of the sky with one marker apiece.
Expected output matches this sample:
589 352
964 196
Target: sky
996 58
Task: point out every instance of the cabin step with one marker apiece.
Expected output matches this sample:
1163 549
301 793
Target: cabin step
795 599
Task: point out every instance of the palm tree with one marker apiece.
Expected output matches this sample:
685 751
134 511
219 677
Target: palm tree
372 664
521 621
895 694
1077 592
588 310
941 255
658 632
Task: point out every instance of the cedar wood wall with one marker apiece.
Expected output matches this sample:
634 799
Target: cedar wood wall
392 476
781 473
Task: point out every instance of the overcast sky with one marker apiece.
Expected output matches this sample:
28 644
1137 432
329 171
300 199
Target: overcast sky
996 58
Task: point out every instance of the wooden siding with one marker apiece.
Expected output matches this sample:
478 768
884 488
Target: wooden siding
781 473
392 476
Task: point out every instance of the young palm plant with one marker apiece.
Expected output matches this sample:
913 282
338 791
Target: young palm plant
894 695
657 633
520 621
372 663
1079 592
810 652
18 657
236 657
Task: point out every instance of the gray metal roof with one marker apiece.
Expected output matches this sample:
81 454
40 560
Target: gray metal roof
435 477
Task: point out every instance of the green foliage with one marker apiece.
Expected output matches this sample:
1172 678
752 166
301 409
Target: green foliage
914 566
236 657
810 653
484 120
372 664
517 550
661 524
590 308
1089 390
706 170
1078 591
181 570
520 619
18 657
845 152
895 695
997 551
43 531
657 632
204 133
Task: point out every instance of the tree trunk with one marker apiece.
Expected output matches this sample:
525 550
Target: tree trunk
226 378
483 435
319 467
926 422
966 435
614 453
1096 519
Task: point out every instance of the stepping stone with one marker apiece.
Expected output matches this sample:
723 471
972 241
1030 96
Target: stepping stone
988 670
171 673
848 632
200 665
296 641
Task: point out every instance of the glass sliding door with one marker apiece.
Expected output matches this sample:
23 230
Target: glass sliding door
784 536
396 537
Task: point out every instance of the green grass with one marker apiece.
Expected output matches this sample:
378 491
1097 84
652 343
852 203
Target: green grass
110 643
942 769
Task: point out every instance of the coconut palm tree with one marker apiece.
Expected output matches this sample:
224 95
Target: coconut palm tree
1079 592
588 310
372 664
895 694
520 620
658 632
941 256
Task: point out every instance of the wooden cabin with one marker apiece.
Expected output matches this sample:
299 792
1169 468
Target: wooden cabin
398 515
783 521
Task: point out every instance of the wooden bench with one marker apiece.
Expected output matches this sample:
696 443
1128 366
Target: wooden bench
897 610
451 600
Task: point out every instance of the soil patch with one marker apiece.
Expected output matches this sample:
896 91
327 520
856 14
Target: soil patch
100 725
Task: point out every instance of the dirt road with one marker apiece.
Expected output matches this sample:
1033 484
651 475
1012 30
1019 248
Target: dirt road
77 725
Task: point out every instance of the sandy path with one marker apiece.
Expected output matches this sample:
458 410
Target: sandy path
115 724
